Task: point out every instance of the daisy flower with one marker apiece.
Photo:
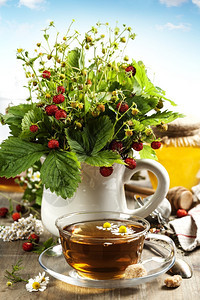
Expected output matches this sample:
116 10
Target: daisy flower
42 278
38 283
35 176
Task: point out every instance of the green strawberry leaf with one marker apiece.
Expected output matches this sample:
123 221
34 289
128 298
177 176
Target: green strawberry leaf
166 116
144 104
31 117
14 117
74 58
88 144
61 173
93 137
99 134
17 156
148 152
104 158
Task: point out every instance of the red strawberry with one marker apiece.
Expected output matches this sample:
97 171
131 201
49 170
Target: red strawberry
52 144
51 109
46 74
16 216
106 171
34 238
33 128
3 212
155 145
137 146
60 114
131 69
27 246
60 89
131 163
181 213
116 146
18 208
122 107
58 98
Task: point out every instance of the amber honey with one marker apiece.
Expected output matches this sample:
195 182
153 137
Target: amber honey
182 165
180 152
102 253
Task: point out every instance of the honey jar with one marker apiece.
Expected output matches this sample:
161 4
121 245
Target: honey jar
180 152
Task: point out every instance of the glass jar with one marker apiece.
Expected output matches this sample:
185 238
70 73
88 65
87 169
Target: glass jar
180 152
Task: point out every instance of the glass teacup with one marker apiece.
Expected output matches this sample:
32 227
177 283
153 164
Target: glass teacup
101 245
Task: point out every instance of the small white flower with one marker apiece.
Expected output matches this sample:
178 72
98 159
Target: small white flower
29 172
35 176
42 278
38 283
22 178
21 229
35 286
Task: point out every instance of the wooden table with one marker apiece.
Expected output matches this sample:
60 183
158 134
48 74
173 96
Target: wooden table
10 252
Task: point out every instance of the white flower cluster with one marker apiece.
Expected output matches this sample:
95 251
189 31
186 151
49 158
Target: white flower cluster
39 283
21 229
32 179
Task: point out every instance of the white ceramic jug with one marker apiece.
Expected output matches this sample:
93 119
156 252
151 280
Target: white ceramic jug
98 193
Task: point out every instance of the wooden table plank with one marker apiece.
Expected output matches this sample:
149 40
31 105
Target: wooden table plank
10 252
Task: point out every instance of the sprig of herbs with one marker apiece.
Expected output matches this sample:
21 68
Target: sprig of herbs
14 275
48 243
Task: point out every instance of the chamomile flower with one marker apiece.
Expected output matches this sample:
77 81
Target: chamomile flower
35 176
38 283
42 278
34 286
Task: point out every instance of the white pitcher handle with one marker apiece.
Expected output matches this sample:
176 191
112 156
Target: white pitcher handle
162 188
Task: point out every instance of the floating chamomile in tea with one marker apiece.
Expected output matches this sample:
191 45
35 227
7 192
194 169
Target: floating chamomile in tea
106 225
122 229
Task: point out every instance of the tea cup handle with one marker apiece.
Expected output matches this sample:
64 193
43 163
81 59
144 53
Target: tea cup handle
162 188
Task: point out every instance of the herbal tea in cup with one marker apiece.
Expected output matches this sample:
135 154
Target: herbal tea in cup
101 245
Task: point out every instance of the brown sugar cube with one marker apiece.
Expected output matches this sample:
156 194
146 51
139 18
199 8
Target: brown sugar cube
134 271
173 281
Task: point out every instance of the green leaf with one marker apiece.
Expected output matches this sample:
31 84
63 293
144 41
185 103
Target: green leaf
87 103
99 133
14 117
166 116
144 104
104 158
48 243
38 198
31 117
78 142
88 144
61 173
74 58
148 152
17 156
95 135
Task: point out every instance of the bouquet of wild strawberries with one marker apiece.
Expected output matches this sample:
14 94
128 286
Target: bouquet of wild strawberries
89 103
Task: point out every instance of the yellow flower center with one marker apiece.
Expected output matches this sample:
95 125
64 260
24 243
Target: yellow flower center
122 229
36 285
43 279
106 225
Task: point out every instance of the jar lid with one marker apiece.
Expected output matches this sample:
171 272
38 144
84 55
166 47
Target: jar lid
186 130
